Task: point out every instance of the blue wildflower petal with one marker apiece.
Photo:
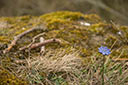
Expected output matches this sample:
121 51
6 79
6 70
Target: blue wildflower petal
104 50
104 53
100 51
108 53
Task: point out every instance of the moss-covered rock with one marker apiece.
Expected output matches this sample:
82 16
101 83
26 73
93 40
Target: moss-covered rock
82 32
70 27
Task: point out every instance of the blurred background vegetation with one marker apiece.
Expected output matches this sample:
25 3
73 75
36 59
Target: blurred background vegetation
116 10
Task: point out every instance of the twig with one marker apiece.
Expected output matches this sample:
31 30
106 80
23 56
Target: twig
41 40
34 39
120 59
36 45
20 61
16 38
43 47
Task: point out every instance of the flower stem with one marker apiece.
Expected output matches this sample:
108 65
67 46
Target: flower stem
103 70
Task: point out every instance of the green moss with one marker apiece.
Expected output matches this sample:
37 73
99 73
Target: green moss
62 15
98 27
111 40
5 61
93 18
124 28
122 52
125 31
7 78
57 19
67 27
4 39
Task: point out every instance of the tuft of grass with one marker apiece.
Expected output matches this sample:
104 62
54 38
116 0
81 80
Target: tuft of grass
60 68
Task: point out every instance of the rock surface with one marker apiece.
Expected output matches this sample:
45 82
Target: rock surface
82 32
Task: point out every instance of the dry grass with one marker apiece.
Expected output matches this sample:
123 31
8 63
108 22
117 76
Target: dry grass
57 62
50 64
61 68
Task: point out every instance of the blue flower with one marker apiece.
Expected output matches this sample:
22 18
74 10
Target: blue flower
104 50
